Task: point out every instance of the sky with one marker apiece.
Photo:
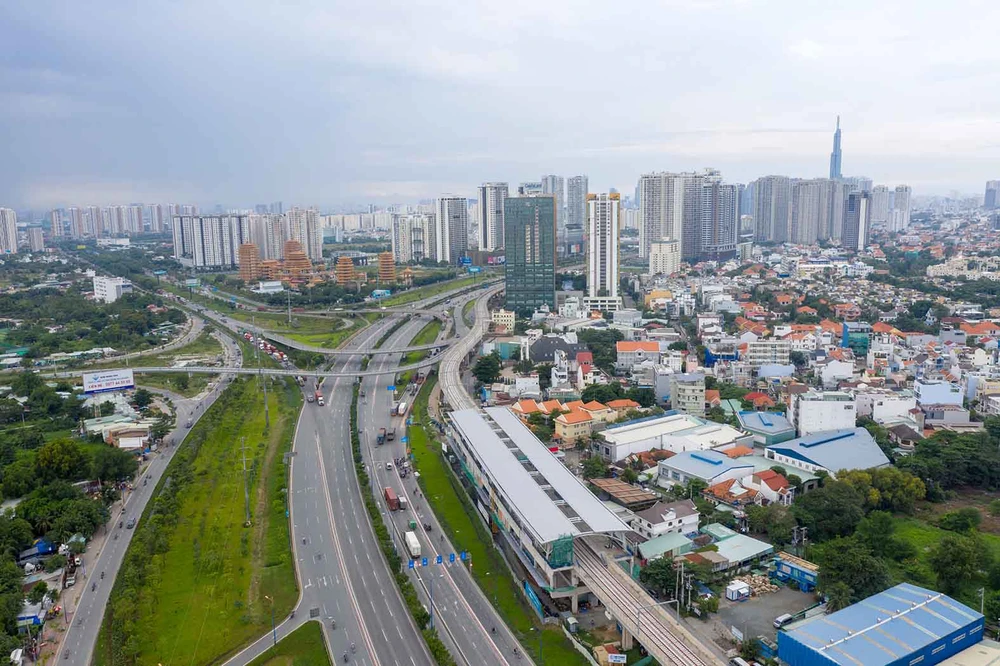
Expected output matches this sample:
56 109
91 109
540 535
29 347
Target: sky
334 103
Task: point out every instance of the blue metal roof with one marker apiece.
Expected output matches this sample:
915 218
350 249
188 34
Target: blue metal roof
885 627
835 450
705 465
770 423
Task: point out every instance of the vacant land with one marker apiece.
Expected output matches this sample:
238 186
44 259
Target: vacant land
194 589
467 313
454 509
425 336
431 290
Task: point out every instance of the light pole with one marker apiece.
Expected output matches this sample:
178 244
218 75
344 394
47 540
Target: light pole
541 657
274 631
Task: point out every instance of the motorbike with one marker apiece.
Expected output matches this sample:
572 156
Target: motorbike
102 575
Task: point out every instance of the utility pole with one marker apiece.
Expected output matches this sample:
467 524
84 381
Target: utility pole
263 381
246 484
289 296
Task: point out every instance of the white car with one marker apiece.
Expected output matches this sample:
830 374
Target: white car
388 465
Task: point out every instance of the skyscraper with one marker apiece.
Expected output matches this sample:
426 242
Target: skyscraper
156 218
772 196
810 209
58 228
8 231
451 229
857 221
720 214
835 156
603 213
880 204
412 237
204 241
303 226
901 207
556 185
992 199
530 250
837 197
491 198
669 205
77 226
576 213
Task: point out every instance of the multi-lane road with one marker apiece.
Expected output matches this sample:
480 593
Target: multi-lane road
85 618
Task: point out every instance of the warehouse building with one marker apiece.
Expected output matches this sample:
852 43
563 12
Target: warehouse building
905 625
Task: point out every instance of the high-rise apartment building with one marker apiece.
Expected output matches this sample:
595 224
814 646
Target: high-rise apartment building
810 210
56 223
992 199
491 198
880 204
661 207
210 241
36 239
269 232
576 213
772 208
530 251
451 229
412 238
157 218
134 222
556 186
837 196
603 229
901 207
720 215
836 156
8 231
664 257
303 226
77 227
857 221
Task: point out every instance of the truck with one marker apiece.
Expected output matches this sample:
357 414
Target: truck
403 504
319 398
381 436
391 500
401 410
391 435
412 544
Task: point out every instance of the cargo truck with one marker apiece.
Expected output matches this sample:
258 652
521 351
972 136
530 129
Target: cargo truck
391 500
402 409
403 504
381 436
391 435
412 545
319 398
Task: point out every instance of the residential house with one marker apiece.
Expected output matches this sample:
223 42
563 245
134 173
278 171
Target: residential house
667 518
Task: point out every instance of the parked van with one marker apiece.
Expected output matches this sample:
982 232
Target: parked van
782 620
738 661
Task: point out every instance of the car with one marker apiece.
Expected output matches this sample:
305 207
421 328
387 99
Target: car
782 620
388 465
309 398
131 523
189 423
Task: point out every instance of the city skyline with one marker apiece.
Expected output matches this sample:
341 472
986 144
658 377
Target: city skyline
159 124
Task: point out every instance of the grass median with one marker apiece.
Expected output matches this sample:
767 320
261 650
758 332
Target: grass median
455 511
198 582
431 290
303 647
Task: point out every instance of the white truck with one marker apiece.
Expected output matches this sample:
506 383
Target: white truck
412 545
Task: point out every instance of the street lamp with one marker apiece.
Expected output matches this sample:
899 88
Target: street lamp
541 657
274 631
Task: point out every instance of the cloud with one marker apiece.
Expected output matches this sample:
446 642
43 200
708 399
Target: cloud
333 103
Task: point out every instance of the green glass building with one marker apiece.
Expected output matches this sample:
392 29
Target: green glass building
530 249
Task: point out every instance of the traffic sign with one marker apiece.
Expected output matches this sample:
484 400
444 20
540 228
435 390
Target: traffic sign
451 558
412 564
404 439
440 559
423 562
463 555
390 388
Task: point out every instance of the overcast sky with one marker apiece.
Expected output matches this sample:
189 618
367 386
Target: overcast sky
333 102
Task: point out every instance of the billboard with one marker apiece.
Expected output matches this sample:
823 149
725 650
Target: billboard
108 380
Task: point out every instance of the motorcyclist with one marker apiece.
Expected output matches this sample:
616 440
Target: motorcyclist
352 648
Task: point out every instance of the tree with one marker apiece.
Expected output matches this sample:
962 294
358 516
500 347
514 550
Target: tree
798 359
107 408
774 520
181 382
660 576
956 560
629 475
38 592
603 393
61 459
994 508
846 560
487 368
838 595
966 519
832 511
111 464
681 346
142 398
594 467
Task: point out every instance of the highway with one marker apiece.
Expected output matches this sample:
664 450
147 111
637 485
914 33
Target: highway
452 390
342 574
85 619
463 616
